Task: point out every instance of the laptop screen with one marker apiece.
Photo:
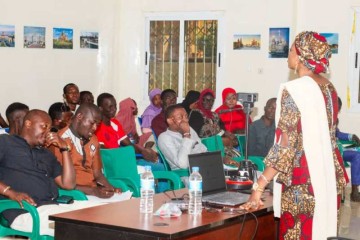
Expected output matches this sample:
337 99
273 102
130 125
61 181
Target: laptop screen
211 169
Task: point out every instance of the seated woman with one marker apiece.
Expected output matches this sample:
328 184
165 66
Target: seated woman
207 123
126 116
231 113
191 100
152 110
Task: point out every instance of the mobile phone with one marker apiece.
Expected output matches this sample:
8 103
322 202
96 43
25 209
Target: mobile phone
65 199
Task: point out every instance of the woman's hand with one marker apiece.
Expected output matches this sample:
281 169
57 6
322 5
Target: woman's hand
254 201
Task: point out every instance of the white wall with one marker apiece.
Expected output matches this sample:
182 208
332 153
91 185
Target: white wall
36 76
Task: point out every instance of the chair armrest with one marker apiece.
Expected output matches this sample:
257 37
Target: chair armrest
172 177
182 172
76 194
10 204
119 184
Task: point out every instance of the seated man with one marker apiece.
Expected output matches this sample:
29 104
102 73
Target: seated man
15 114
111 134
71 96
351 155
180 140
262 131
84 150
158 124
60 115
86 97
24 160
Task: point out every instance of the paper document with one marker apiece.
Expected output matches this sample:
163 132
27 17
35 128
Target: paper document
117 197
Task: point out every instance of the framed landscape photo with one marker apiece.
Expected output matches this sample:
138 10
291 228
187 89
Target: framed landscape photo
279 42
62 38
34 37
89 40
7 36
247 42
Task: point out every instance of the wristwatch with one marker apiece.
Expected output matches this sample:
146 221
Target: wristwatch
256 187
65 149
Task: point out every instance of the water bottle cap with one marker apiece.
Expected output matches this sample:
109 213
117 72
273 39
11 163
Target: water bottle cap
148 168
195 169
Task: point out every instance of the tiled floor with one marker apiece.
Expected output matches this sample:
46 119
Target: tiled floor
349 221
350 218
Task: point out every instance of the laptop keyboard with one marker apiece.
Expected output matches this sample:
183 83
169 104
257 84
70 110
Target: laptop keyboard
226 198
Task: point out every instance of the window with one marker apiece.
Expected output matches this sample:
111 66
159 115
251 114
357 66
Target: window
182 52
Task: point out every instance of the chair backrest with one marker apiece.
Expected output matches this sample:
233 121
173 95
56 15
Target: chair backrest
214 143
242 141
119 163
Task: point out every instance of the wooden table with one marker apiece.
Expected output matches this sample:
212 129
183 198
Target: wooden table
123 221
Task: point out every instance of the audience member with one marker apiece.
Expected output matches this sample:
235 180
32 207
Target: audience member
351 155
231 113
85 152
112 135
86 97
262 131
71 96
3 123
152 110
180 140
60 115
126 116
207 123
30 172
15 114
305 158
158 124
190 101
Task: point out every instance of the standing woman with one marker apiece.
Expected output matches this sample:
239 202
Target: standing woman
305 155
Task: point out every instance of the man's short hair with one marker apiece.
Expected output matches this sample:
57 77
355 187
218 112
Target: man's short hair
56 110
68 85
270 100
12 108
169 111
166 93
100 99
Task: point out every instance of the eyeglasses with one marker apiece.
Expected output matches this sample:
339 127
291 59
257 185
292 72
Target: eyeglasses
208 99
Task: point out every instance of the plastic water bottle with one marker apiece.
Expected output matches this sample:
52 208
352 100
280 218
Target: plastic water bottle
195 192
147 191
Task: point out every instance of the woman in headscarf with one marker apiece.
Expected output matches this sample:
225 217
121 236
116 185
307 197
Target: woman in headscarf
126 116
207 123
191 100
305 157
231 113
151 111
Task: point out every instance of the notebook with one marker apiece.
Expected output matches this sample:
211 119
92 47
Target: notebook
211 169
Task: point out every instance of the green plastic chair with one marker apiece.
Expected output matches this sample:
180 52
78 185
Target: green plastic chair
120 164
341 149
242 141
5 229
215 143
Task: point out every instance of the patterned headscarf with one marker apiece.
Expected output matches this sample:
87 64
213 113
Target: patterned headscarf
206 112
313 50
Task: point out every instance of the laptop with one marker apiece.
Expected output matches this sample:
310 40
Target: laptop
211 169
